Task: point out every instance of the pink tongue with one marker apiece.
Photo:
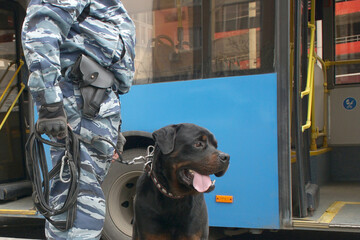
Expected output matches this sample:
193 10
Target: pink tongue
201 182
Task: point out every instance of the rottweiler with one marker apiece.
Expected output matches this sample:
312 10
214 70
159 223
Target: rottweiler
169 202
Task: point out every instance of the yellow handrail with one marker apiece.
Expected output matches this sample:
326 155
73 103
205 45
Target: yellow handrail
342 62
325 66
12 105
17 97
6 71
12 79
309 90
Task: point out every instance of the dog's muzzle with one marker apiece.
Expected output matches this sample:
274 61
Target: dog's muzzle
224 158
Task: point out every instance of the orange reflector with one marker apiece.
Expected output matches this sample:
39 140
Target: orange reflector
224 199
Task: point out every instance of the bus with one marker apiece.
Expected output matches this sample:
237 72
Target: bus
277 82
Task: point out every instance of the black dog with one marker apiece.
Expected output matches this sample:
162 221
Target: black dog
169 201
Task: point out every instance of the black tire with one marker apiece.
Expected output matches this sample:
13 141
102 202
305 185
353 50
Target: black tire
119 188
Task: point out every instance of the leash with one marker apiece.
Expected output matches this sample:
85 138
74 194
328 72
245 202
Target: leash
145 159
41 177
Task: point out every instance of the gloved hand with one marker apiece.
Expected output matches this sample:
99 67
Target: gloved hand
120 142
52 120
119 145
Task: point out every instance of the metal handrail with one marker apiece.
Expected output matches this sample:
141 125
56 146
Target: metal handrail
309 90
342 62
6 71
17 97
325 66
12 105
12 79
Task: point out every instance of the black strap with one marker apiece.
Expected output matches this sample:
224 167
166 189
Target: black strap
98 139
40 176
84 13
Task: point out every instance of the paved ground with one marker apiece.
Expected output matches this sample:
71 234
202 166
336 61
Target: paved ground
24 229
21 228
296 235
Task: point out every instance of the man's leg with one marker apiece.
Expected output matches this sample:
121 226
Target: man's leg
90 214
95 162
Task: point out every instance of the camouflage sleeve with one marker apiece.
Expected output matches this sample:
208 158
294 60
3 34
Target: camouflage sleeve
124 69
46 25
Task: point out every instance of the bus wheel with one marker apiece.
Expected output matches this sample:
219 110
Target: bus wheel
119 190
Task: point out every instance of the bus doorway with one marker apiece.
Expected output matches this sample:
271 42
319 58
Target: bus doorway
331 162
15 189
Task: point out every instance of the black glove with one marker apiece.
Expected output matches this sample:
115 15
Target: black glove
120 142
52 120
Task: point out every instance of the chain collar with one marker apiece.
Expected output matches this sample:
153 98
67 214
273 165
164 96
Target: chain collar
161 188
151 174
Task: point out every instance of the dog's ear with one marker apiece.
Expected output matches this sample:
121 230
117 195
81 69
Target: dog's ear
165 138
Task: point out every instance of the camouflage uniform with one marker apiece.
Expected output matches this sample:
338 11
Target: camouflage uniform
53 38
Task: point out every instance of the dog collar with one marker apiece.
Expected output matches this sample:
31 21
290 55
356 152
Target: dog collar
161 188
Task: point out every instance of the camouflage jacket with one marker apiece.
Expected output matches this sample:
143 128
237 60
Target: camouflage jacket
53 37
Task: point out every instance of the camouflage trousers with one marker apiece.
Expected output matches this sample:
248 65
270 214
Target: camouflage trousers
95 162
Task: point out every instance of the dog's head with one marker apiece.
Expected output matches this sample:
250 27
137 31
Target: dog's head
187 155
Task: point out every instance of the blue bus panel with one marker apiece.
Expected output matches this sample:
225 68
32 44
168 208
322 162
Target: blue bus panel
241 111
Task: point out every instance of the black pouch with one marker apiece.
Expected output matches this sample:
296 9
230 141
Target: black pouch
93 81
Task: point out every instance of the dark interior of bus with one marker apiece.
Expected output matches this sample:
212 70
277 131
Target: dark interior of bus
14 105
325 157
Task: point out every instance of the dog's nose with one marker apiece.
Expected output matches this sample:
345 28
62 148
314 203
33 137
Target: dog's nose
224 157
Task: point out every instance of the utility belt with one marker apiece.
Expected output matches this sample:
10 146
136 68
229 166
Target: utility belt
93 80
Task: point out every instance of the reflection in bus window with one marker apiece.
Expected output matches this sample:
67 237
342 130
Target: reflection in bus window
236 44
347 17
7 49
7 57
184 40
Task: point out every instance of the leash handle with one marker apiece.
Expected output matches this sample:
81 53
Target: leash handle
41 179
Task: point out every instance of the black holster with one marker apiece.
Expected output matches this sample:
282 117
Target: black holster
93 81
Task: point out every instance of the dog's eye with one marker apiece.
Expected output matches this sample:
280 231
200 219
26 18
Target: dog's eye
199 144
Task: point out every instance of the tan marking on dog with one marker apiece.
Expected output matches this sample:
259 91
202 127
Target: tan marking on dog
165 236
196 236
181 164
174 154
176 187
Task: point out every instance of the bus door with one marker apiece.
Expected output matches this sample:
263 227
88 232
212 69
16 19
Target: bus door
334 135
15 189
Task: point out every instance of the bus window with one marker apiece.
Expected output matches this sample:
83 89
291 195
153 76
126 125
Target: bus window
7 44
168 40
347 20
184 40
236 38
